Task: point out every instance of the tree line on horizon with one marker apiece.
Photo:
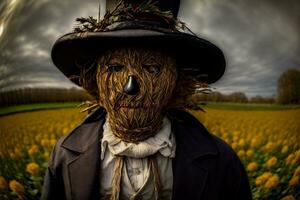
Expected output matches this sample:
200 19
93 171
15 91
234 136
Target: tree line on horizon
288 87
42 95
288 92
47 95
235 97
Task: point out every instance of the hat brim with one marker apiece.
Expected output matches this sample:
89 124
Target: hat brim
195 56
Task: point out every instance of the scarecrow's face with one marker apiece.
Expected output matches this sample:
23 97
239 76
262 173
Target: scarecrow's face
135 85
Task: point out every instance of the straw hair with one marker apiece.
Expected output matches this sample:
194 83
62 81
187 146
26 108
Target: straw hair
156 176
116 181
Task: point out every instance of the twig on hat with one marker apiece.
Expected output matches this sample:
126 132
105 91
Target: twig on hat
146 11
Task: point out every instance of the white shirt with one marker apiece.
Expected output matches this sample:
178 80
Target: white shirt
137 178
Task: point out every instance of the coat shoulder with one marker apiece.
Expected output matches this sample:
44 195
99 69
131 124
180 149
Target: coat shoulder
196 139
226 153
200 151
235 179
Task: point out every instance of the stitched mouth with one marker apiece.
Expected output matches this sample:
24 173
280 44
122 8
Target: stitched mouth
136 106
132 107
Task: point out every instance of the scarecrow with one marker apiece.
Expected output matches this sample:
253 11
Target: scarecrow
138 142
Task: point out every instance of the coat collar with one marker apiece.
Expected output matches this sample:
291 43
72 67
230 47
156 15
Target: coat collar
86 133
189 133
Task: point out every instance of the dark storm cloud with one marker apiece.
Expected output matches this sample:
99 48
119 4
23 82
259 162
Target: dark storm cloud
28 41
260 39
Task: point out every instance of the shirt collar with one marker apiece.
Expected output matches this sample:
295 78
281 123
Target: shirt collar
163 142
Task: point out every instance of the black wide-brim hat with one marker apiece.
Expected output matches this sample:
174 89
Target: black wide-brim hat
196 57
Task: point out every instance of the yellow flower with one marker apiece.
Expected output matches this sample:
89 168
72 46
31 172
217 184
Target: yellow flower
45 143
65 130
32 168
297 157
267 175
284 149
297 152
252 166
242 142
289 197
234 145
259 180
269 146
241 153
16 187
3 183
290 159
53 142
46 155
263 178
249 153
294 181
254 142
272 182
235 138
271 162
33 150
297 171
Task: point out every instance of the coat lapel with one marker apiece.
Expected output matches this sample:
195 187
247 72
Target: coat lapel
189 179
83 168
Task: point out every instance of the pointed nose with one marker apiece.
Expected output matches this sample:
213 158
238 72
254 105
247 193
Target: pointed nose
132 86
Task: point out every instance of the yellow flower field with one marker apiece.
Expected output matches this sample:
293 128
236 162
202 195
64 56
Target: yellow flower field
266 141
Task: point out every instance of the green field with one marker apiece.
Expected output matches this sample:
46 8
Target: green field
223 106
241 106
40 106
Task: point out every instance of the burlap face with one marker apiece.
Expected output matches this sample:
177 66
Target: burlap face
135 117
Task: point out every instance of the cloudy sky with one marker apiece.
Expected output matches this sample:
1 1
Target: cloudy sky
261 39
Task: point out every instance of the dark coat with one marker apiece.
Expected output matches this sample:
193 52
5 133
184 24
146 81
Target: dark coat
204 168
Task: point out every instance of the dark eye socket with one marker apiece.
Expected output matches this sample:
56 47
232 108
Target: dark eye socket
152 68
115 68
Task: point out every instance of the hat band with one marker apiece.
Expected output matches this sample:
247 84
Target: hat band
139 24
